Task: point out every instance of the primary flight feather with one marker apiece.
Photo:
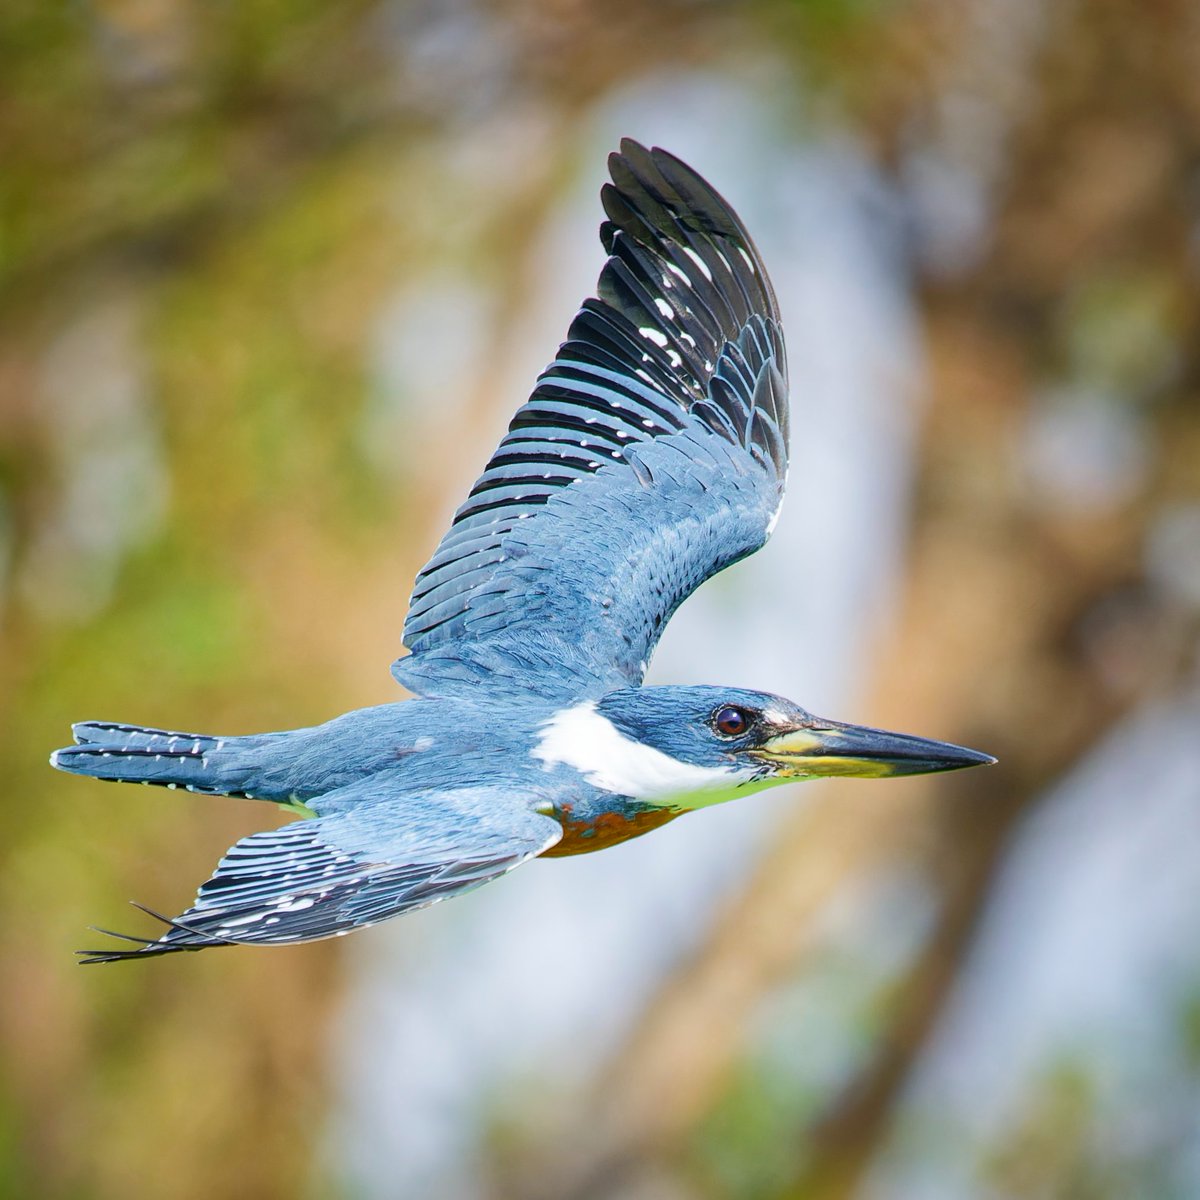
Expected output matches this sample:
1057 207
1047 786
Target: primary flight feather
651 454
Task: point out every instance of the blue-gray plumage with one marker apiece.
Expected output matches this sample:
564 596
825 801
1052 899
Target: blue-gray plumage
651 454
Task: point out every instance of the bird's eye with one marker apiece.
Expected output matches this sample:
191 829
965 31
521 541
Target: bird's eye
731 721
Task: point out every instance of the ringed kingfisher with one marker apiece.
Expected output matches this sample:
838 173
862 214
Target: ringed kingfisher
651 454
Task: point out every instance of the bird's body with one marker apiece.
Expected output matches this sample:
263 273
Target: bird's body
651 454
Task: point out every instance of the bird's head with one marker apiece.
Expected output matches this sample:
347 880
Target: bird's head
663 744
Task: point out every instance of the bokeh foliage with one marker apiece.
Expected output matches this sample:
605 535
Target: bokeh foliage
203 208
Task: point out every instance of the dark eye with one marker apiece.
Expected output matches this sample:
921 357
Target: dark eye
731 721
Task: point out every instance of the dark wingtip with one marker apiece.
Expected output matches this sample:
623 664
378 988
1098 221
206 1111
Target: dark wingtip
148 947
145 947
125 937
89 958
621 158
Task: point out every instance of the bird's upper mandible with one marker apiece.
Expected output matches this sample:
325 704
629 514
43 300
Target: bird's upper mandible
651 454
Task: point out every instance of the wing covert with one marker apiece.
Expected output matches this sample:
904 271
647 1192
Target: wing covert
651 454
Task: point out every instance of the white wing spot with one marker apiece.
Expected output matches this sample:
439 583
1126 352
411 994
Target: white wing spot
247 920
699 262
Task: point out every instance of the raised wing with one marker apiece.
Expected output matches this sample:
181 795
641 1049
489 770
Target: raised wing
651 454
380 852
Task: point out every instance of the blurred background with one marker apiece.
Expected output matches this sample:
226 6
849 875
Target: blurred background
273 277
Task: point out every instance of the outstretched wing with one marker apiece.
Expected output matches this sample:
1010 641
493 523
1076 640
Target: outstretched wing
651 454
381 855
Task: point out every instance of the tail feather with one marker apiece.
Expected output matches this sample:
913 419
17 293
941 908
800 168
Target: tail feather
136 736
132 754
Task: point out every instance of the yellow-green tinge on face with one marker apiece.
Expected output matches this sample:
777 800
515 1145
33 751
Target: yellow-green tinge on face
833 748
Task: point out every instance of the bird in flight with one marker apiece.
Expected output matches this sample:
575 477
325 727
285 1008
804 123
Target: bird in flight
651 454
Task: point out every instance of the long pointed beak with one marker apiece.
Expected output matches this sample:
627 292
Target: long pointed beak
832 748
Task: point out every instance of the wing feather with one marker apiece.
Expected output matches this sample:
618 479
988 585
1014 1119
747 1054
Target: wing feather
651 454
385 852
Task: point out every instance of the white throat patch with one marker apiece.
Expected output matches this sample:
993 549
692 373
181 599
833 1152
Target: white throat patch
582 738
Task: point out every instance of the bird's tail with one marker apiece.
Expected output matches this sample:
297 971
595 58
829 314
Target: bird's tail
132 754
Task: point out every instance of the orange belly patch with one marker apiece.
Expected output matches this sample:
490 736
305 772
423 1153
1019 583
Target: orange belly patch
608 829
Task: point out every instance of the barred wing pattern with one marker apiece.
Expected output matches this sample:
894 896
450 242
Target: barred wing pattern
380 851
651 454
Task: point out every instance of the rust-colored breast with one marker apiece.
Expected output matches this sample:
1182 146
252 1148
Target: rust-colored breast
607 829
